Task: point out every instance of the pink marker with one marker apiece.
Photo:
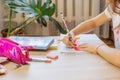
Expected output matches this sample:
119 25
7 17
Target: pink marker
41 60
52 56
77 45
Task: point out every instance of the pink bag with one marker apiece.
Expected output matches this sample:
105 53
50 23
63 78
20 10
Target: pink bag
13 51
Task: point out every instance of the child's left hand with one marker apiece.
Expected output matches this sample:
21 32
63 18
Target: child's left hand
90 47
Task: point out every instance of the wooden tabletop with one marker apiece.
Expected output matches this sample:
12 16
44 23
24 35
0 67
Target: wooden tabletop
70 65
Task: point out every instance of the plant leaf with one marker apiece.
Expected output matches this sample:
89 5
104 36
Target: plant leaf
32 15
36 11
32 3
39 3
23 11
57 25
25 1
43 21
39 20
13 5
50 10
48 1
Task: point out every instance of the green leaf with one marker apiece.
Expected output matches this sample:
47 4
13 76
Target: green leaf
38 11
45 5
48 1
6 0
57 25
43 21
25 1
32 3
35 11
50 10
39 3
32 15
16 2
39 20
12 5
22 11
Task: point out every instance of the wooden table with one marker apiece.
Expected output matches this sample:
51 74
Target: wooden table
69 66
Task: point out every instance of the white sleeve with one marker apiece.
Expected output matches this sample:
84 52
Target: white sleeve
108 13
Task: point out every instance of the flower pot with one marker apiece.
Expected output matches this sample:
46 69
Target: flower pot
5 31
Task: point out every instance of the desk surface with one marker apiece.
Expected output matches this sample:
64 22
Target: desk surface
69 66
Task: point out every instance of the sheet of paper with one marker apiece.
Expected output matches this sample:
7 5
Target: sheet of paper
84 38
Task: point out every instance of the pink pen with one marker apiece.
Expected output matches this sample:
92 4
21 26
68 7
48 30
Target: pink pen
66 26
41 60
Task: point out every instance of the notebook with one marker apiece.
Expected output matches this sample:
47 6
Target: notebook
40 43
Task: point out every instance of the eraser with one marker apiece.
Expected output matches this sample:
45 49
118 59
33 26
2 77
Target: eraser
52 56
77 45
77 48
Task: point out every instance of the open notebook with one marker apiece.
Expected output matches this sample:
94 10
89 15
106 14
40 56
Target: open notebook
84 38
40 43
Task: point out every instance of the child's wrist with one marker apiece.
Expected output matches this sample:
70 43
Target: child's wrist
70 33
99 47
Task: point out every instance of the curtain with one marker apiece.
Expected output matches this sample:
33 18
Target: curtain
75 12
103 31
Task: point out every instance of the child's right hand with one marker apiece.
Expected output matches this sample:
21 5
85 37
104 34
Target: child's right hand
69 40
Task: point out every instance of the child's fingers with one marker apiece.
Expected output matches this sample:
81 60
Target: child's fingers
83 46
72 44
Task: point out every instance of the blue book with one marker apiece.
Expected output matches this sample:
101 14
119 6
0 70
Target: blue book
40 43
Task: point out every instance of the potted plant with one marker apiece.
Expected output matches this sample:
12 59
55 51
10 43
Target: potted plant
33 10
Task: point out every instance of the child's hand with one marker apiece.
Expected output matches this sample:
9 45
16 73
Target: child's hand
69 40
90 47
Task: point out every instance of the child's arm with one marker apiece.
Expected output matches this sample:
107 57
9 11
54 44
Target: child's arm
112 55
86 26
91 24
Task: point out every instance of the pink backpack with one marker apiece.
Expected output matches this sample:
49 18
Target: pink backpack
13 51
